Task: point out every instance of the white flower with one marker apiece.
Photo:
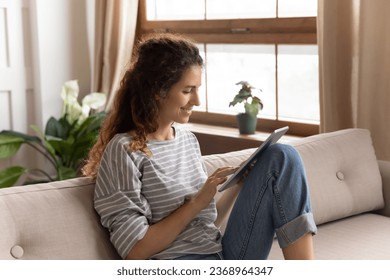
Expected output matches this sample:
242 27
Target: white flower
72 109
73 113
70 92
94 100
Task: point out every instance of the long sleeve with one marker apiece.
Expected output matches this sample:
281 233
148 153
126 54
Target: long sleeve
134 190
118 199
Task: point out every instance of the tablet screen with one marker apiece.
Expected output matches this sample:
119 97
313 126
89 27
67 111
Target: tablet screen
235 177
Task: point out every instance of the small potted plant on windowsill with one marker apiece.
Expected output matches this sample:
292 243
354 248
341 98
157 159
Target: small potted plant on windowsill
252 104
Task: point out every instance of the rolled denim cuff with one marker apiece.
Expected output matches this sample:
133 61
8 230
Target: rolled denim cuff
295 229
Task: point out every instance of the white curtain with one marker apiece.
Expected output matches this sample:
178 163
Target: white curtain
354 50
115 33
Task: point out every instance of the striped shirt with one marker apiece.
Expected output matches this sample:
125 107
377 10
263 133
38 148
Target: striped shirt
134 191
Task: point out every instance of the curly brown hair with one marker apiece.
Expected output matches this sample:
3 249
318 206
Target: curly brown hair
158 62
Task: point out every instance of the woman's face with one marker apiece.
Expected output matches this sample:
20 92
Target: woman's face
182 97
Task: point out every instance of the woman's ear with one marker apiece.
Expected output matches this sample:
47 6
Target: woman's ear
161 95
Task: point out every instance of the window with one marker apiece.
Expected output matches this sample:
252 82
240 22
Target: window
269 43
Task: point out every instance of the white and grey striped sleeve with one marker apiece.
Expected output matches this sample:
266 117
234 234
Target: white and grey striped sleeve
118 200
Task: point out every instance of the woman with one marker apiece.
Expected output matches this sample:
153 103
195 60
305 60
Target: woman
152 191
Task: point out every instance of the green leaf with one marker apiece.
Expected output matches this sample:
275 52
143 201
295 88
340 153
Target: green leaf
26 137
56 128
244 93
252 108
83 138
38 131
258 101
62 146
242 96
237 99
90 124
9 176
45 143
9 144
66 173
83 145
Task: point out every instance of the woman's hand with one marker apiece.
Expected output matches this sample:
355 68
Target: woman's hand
209 189
160 235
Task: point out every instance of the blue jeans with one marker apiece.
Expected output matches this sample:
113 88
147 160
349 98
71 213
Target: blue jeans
274 199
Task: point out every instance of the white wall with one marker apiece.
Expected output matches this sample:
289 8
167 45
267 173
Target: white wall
60 52
43 43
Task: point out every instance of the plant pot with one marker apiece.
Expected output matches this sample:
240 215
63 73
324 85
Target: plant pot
246 123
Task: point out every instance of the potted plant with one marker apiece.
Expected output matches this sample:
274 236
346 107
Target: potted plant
64 143
252 104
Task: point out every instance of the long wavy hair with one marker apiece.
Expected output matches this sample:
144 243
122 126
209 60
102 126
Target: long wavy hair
158 62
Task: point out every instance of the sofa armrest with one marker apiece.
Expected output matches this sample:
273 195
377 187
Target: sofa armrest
384 168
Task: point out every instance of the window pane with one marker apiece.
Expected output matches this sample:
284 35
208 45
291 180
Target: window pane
228 9
229 64
297 8
202 89
175 9
298 83
223 9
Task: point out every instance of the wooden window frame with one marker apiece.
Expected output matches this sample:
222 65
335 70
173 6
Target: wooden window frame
240 31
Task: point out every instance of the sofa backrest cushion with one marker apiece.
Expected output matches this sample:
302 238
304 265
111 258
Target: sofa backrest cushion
341 169
52 221
343 173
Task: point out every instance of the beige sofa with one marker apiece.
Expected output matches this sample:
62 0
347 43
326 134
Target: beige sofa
350 193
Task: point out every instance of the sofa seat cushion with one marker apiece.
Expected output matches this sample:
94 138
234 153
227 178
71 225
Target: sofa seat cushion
52 221
361 237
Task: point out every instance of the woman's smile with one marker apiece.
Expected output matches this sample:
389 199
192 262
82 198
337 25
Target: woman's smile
187 110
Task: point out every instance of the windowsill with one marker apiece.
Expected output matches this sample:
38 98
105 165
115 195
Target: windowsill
218 139
234 133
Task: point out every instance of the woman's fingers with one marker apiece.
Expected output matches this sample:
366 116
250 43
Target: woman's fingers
207 192
224 171
215 181
221 174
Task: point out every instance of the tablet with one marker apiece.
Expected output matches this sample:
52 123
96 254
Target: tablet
236 176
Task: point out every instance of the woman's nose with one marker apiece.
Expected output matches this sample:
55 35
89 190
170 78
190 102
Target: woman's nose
195 100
